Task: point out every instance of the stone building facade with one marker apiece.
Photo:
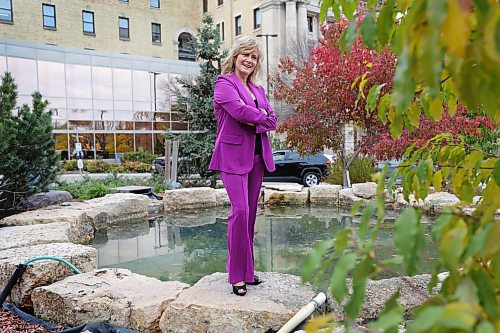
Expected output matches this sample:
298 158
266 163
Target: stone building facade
100 64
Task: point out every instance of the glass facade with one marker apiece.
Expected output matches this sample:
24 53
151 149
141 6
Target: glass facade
111 104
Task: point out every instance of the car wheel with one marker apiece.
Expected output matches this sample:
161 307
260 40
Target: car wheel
310 179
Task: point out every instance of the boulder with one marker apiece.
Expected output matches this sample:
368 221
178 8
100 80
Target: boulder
365 190
284 187
347 198
155 207
43 272
190 198
413 292
113 295
85 218
436 201
34 235
273 197
324 194
221 197
209 305
44 199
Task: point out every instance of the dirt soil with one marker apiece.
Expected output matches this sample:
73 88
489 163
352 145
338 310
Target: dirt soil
10 323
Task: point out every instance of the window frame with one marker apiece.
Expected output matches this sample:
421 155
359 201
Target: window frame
92 33
151 4
11 11
48 27
255 11
220 27
205 6
310 24
157 34
238 30
220 3
125 19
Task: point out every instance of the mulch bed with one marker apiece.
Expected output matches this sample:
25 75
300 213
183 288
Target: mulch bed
10 323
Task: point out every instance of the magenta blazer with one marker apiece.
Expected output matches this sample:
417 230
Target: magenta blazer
235 141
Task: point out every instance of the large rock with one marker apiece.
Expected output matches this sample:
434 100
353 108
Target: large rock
436 201
86 218
347 198
292 187
221 197
273 197
44 272
34 235
413 292
44 199
365 190
209 306
116 296
324 194
190 198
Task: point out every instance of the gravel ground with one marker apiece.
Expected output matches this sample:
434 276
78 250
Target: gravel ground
10 323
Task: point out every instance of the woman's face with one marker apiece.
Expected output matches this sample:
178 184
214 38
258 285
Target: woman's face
246 62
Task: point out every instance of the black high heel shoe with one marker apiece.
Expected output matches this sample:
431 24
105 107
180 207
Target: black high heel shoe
256 281
240 290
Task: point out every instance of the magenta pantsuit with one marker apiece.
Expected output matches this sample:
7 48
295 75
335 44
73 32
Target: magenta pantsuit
241 170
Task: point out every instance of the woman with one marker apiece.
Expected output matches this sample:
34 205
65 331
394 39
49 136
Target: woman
242 151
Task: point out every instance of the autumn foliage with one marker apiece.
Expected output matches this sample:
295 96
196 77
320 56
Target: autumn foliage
324 93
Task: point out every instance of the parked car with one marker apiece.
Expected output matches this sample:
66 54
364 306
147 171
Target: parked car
290 166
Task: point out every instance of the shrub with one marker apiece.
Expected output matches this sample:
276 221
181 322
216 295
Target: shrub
90 188
92 166
28 161
360 171
139 156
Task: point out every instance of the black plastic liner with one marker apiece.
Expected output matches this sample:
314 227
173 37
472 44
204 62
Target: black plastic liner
94 327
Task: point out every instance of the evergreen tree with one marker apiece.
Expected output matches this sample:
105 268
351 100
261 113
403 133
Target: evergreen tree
195 101
28 161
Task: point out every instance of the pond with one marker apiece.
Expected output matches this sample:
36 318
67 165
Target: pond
187 246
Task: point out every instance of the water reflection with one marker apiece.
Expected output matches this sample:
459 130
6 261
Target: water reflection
188 246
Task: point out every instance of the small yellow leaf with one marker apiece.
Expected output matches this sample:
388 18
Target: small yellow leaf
436 109
452 105
319 322
369 65
437 179
456 28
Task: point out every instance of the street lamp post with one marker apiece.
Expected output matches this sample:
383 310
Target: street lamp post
267 56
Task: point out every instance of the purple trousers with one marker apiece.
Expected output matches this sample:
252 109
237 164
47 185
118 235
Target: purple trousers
243 192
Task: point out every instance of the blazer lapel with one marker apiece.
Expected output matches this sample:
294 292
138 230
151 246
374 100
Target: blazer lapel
243 92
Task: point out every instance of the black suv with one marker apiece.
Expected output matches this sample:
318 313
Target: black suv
290 166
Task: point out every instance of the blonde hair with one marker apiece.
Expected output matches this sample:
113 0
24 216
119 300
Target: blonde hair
242 45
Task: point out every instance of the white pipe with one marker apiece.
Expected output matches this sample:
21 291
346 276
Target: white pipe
303 313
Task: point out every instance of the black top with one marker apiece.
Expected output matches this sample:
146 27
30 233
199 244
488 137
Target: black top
258 141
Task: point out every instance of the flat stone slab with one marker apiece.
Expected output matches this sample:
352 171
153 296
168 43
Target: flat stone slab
325 194
44 199
190 198
85 218
284 187
134 189
273 197
210 306
34 235
116 296
43 272
365 190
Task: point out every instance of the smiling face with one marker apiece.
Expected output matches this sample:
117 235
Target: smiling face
246 62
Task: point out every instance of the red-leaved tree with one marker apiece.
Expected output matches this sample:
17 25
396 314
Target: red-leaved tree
323 98
324 94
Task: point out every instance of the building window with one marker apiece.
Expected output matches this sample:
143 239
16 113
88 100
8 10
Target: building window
156 33
185 51
123 28
155 3
220 2
49 16
220 27
205 6
126 1
6 11
88 22
310 26
257 19
237 25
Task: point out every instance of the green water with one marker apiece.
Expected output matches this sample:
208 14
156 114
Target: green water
188 246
